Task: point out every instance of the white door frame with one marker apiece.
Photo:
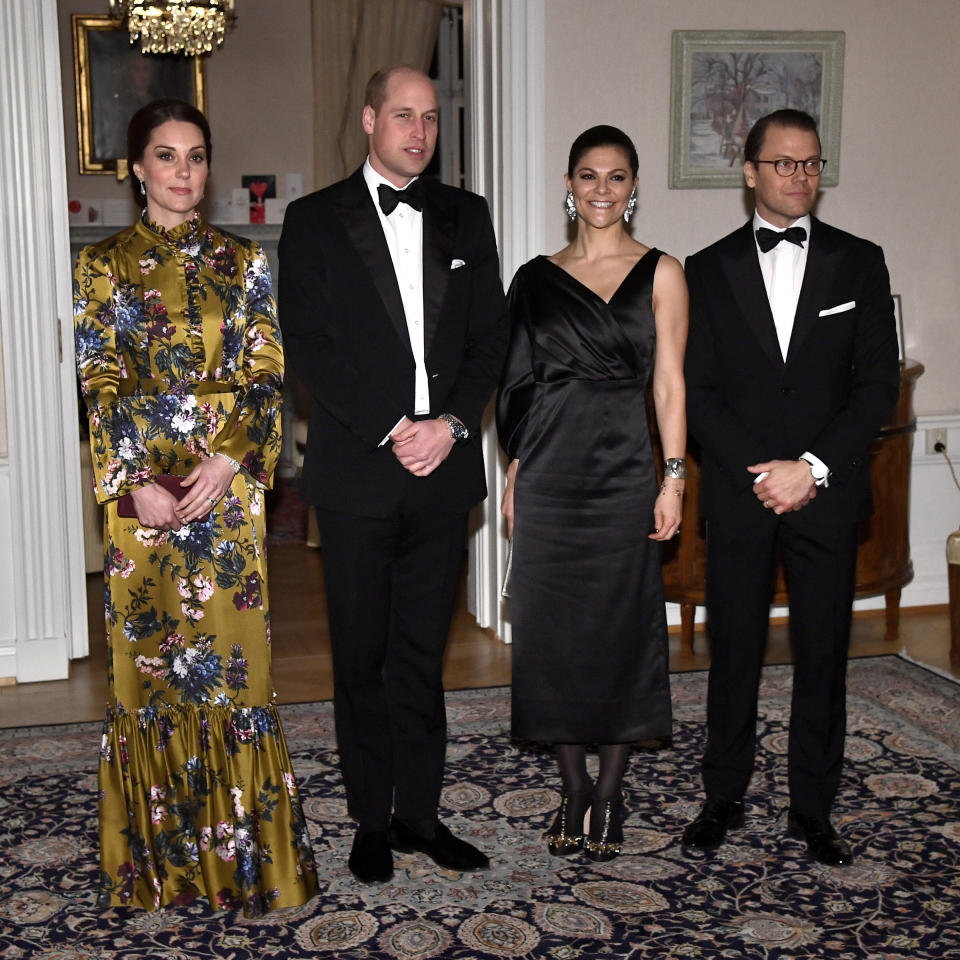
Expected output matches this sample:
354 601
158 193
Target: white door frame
505 43
42 508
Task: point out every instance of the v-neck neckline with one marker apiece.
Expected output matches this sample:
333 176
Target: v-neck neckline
593 292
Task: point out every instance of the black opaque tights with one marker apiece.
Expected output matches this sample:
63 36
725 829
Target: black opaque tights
572 761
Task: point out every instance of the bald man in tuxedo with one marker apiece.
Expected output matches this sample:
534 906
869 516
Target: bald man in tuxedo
393 313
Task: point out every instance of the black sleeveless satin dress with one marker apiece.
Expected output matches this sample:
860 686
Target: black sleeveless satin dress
590 660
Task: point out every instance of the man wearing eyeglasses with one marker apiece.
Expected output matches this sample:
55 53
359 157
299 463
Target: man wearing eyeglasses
791 371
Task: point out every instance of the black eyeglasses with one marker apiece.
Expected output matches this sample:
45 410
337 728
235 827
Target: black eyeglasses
787 168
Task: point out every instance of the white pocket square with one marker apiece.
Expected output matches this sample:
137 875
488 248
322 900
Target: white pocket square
849 305
456 264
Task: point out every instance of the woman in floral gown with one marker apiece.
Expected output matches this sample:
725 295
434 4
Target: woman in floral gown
181 366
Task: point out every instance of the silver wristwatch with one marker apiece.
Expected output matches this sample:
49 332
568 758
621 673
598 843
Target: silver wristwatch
457 430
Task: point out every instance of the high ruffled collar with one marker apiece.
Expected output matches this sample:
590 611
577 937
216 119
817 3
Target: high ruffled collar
184 235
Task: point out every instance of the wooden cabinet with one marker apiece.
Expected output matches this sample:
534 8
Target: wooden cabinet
883 561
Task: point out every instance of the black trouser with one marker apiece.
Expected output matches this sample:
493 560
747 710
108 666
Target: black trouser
391 585
820 562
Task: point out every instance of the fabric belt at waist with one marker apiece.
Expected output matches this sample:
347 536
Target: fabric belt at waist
201 388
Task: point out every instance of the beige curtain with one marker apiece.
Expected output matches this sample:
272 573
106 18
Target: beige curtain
352 39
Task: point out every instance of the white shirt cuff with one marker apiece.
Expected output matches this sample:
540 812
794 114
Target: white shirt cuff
386 439
820 471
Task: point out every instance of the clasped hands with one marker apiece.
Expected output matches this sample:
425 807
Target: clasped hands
206 483
421 445
788 484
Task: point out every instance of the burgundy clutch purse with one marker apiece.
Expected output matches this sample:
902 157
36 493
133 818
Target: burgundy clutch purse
169 482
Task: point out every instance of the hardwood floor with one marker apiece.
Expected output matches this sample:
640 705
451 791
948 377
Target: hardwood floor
475 657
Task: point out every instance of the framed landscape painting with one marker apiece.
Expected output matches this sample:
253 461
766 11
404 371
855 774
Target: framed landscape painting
722 81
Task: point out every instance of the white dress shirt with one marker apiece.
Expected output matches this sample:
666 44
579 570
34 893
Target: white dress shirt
782 268
403 231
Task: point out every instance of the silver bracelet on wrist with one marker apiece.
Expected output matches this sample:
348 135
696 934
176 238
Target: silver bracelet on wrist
233 463
674 468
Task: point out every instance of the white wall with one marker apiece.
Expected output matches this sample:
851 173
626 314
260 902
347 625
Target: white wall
608 61
934 513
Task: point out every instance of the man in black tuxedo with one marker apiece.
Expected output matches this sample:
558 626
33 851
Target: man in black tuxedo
393 314
791 371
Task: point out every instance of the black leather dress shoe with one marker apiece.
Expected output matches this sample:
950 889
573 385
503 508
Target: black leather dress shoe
710 828
443 848
370 858
824 844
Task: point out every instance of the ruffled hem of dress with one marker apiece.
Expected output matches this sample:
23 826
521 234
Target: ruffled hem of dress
201 802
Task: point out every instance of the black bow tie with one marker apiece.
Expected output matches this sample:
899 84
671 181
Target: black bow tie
411 194
768 239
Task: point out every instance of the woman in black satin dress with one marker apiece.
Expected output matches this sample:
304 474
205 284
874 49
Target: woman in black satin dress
583 500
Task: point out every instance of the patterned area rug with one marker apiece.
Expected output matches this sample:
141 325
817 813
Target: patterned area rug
757 897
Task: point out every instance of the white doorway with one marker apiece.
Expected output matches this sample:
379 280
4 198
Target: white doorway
43 621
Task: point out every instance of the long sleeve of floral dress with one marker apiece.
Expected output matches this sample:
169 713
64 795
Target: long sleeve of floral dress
252 435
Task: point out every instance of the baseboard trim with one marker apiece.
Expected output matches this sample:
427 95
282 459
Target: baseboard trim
870 613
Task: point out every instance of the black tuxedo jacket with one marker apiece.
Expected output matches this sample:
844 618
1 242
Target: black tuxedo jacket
346 338
835 390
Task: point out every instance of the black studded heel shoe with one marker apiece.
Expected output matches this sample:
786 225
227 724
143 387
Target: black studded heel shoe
606 830
565 835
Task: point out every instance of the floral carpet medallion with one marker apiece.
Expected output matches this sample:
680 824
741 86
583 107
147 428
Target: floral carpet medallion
758 897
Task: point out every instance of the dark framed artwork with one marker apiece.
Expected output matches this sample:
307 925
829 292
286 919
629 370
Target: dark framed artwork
113 80
722 81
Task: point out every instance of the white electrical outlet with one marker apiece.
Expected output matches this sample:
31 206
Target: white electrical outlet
935 436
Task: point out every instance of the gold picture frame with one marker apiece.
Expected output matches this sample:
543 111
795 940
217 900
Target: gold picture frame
113 79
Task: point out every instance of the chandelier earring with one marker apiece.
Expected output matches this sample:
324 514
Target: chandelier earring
631 206
570 207
143 189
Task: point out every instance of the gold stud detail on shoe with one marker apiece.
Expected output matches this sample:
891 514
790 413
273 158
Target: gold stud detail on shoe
560 842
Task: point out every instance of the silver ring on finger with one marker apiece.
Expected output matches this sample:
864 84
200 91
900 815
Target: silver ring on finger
211 500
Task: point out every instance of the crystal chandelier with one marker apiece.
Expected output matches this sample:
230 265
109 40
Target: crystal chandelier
190 27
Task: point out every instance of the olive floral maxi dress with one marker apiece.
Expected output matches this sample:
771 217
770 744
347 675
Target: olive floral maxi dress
179 356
